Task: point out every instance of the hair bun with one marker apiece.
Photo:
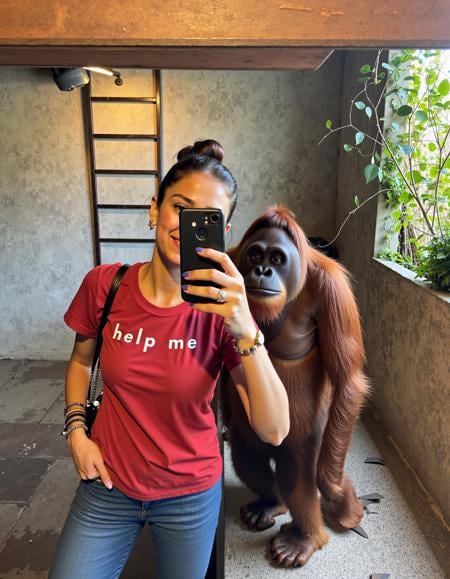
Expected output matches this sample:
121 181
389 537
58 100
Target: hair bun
207 148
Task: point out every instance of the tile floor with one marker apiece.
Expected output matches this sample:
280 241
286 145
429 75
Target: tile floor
38 481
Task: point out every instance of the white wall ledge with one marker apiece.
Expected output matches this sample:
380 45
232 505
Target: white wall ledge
410 276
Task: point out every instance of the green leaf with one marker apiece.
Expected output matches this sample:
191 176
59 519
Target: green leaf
431 77
432 147
359 105
417 177
347 148
359 138
404 197
380 174
386 66
328 124
357 201
365 69
394 90
368 112
404 111
370 173
421 116
444 87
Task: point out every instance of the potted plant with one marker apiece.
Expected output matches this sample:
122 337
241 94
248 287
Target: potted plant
400 120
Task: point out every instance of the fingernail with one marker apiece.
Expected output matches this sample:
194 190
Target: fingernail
184 287
109 485
185 274
199 249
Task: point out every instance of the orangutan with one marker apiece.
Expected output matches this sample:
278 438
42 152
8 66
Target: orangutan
303 303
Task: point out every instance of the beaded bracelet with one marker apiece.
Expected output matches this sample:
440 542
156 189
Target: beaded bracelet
66 433
259 341
67 406
76 419
75 413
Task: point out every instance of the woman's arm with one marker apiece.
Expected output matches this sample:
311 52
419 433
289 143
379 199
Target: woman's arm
86 454
260 388
263 396
79 369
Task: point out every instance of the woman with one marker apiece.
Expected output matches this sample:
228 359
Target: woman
153 454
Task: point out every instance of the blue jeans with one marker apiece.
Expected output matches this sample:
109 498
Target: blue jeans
102 526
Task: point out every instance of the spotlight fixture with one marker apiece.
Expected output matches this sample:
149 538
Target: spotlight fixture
69 78
108 71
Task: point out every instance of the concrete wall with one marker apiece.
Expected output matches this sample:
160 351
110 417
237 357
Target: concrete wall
268 122
45 226
406 327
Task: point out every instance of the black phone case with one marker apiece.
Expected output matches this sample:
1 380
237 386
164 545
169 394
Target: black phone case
189 240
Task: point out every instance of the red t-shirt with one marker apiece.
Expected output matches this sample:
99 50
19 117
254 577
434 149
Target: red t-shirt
155 427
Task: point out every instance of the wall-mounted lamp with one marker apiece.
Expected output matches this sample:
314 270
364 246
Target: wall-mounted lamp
70 78
109 71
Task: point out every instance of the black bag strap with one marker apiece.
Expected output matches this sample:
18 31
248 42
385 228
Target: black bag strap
107 308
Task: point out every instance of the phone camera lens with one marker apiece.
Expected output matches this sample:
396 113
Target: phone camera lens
201 234
215 218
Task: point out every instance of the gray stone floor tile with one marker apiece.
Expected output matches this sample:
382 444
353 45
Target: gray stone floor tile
26 370
29 401
8 369
20 477
55 414
32 440
29 549
9 513
396 543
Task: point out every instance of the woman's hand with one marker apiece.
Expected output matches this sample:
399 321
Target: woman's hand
87 458
234 308
262 393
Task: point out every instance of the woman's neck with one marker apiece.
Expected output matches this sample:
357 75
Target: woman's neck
159 285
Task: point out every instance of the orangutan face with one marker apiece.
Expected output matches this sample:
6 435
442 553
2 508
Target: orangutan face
271 267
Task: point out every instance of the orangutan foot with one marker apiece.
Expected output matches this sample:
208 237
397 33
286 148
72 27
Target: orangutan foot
291 548
259 515
344 512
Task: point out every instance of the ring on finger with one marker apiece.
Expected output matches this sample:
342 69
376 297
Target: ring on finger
220 299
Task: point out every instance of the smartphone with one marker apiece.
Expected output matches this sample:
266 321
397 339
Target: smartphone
200 228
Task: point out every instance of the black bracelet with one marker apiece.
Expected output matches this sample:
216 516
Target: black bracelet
66 426
71 414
